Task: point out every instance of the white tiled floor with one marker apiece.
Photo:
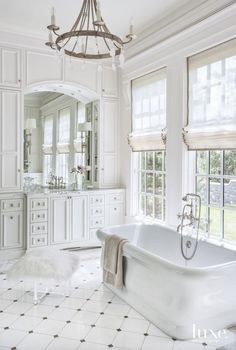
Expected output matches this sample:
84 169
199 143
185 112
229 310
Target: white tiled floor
91 318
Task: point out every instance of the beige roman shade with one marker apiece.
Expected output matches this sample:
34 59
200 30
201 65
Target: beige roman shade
148 112
212 99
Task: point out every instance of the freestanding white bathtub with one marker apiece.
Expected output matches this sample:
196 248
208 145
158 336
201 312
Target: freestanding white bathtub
173 296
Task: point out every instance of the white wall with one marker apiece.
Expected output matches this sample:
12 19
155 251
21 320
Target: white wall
171 53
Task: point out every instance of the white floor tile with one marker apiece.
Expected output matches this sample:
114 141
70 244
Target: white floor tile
35 342
102 296
62 314
156 343
7 319
51 327
40 310
75 331
85 317
12 294
186 345
101 335
82 293
26 323
118 309
18 308
73 303
95 306
64 344
4 304
153 330
11 338
53 300
128 340
93 346
135 314
110 321
135 325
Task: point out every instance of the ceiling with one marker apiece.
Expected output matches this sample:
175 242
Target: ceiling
32 16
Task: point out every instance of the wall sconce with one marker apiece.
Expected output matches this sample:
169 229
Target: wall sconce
29 126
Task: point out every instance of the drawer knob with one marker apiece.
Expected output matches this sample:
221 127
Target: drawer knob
38 203
115 198
115 208
38 228
38 216
11 217
11 205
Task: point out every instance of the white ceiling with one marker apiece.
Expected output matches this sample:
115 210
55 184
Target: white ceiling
32 16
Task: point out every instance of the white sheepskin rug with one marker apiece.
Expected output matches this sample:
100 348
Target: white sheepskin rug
44 265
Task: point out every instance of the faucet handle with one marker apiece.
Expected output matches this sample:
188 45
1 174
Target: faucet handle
179 216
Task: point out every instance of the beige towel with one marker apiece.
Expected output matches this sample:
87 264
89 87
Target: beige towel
112 260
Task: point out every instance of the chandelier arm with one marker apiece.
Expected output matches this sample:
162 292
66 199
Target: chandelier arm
88 21
127 41
79 17
84 16
93 20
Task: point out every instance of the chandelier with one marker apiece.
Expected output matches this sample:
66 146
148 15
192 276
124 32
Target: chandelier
89 38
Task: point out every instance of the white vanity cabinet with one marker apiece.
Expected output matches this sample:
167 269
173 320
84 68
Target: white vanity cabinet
11 223
72 219
68 219
10 67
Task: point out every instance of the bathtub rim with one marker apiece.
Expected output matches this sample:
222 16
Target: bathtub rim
146 257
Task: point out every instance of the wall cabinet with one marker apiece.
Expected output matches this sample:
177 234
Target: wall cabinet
11 140
11 223
10 67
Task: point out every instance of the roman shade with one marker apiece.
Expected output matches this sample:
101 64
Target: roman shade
47 147
212 99
148 112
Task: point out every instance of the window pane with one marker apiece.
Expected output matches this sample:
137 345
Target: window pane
158 208
149 160
230 193
143 175
149 183
143 160
62 166
215 191
230 224
215 162
149 206
47 167
158 161
201 188
214 220
230 163
64 125
48 130
142 205
201 162
158 184
204 219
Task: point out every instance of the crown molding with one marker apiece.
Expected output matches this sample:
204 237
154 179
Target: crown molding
172 25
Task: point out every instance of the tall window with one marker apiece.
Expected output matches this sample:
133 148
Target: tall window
63 144
151 184
211 132
215 182
147 141
47 147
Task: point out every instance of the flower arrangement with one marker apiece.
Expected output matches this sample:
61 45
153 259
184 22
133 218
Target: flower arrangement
79 169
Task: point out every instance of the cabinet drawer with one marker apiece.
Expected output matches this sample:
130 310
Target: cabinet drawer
39 216
12 204
38 204
38 240
97 199
97 211
97 223
115 197
39 228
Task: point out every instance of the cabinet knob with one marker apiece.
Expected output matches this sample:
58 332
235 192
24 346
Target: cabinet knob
38 228
11 205
38 203
18 170
38 216
102 169
11 217
115 208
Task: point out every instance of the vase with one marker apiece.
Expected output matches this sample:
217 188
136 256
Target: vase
78 182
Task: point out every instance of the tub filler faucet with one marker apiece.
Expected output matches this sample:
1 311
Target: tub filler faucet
190 219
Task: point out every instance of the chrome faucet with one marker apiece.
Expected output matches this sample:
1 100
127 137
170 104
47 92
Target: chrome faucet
193 221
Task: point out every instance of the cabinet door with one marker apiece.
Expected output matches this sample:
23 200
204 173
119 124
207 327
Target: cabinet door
109 144
115 215
12 230
10 67
60 220
10 140
109 82
79 218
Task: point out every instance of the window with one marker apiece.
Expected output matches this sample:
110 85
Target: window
63 166
215 182
64 126
151 184
47 147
